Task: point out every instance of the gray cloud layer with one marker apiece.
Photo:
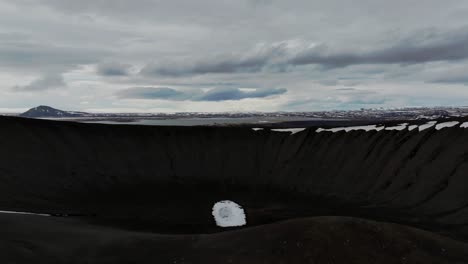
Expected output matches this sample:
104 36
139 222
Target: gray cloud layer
24 54
152 93
47 82
411 53
253 61
433 47
113 69
216 94
452 80
421 48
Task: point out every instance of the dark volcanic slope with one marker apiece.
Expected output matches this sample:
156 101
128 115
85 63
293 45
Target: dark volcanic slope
32 239
165 179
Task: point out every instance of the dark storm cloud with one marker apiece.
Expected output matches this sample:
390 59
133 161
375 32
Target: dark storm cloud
253 61
222 66
216 94
113 69
47 82
435 47
420 48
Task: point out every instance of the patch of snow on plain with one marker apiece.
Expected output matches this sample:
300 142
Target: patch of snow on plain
464 125
293 130
412 127
22 213
257 128
228 214
427 125
398 127
446 124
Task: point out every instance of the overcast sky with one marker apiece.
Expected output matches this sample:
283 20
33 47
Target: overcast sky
242 55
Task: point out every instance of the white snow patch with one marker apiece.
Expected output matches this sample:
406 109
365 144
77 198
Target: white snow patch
228 214
257 128
398 127
347 129
446 124
427 125
293 130
366 128
335 129
22 213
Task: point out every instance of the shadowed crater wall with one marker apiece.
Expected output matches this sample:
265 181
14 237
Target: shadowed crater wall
166 179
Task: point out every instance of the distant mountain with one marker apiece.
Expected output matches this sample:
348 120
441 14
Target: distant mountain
47 111
398 114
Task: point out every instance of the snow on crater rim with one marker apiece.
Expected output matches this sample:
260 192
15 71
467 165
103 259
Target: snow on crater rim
446 124
347 129
22 213
228 214
293 130
397 127
427 125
